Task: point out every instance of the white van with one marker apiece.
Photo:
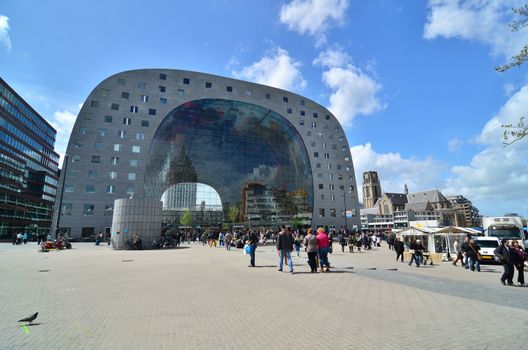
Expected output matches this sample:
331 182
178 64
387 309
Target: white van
487 247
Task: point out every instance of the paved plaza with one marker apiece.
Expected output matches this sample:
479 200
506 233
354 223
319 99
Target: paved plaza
195 297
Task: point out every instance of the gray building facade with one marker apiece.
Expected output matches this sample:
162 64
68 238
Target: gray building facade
141 132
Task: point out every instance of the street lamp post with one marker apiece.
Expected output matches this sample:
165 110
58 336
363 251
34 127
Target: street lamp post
344 201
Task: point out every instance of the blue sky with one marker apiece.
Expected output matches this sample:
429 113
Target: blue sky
412 82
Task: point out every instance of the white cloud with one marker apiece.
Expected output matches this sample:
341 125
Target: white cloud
454 145
354 92
395 171
276 69
313 17
496 179
335 57
484 21
63 122
4 32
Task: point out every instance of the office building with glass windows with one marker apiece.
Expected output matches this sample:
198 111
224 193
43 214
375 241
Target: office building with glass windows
28 167
208 144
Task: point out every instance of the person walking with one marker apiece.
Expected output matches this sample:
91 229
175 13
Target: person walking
252 240
297 243
342 242
351 242
458 250
221 237
464 249
414 250
322 249
228 238
284 247
399 248
504 254
472 253
518 256
25 237
310 243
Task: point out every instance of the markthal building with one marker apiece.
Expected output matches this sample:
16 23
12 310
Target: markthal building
159 148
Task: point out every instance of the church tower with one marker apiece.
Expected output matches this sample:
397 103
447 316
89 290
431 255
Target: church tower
371 189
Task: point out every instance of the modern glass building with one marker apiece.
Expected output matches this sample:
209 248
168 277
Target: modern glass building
28 167
224 149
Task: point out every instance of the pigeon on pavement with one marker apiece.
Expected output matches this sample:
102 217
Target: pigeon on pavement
30 318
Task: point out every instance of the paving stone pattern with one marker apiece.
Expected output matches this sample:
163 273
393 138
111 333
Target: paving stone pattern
207 298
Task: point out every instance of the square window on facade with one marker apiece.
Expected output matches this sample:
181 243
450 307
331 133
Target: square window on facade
316 154
94 104
67 209
78 144
309 133
340 177
140 136
333 213
152 111
114 160
301 102
289 110
109 210
208 85
134 109
118 147
163 101
181 92
319 175
114 107
96 159
130 190
315 115
322 197
161 88
321 213
121 134
121 82
99 146
267 96
110 189
83 130
92 174
89 189
301 122
127 121
249 92
313 144
229 88
186 81
136 149
125 95
142 85
103 132
112 175
327 116
108 118
76 158
303 113
88 209
339 166
284 99
318 165
145 123
133 162
131 176
69 189
144 98
163 76
320 186
351 188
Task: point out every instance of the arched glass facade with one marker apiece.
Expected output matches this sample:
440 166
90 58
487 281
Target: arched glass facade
253 157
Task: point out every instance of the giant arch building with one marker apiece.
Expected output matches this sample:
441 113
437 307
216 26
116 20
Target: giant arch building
209 144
